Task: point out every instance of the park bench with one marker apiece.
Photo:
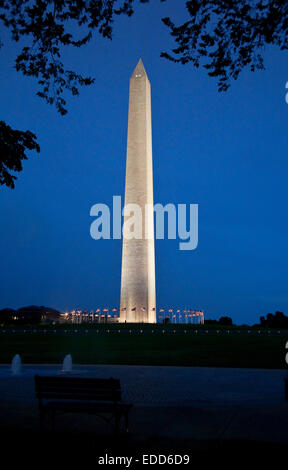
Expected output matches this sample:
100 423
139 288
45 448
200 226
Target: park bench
101 397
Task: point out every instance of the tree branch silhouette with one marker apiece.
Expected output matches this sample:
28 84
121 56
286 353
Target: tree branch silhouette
223 36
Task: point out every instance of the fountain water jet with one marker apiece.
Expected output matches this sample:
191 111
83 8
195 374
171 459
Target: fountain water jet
16 365
67 363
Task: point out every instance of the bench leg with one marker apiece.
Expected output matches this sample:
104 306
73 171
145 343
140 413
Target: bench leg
51 418
52 414
116 423
41 419
126 421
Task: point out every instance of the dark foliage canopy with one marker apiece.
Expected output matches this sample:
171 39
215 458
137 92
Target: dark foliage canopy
277 320
224 36
13 145
28 315
47 24
222 321
51 25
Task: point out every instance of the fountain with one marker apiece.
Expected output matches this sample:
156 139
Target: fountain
67 364
16 365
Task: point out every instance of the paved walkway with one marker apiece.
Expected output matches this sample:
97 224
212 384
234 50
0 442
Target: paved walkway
162 385
169 402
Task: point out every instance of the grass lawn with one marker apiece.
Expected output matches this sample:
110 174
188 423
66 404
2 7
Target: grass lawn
219 350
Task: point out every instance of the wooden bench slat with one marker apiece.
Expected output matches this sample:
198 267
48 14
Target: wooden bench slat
79 396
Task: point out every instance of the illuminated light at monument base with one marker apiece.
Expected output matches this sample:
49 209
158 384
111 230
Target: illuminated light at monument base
111 315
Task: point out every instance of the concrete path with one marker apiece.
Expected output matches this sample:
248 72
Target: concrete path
169 402
167 386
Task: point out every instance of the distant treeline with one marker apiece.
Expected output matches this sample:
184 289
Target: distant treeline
29 315
36 315
276 320
222 321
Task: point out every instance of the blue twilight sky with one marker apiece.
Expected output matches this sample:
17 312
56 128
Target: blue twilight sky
226 152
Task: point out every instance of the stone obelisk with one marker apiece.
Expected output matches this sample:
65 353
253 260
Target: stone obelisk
138 298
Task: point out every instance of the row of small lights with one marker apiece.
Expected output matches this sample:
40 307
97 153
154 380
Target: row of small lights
186 314
119 331
115 310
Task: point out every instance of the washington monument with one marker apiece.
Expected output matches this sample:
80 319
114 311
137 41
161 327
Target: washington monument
138 298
